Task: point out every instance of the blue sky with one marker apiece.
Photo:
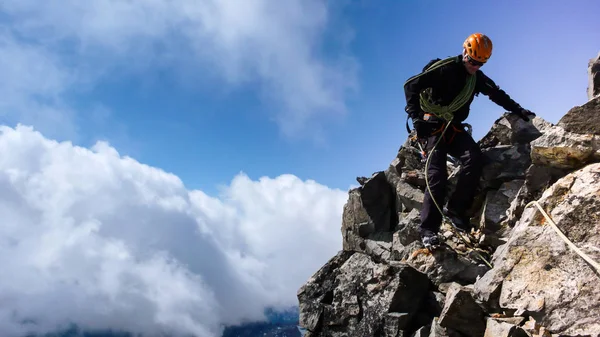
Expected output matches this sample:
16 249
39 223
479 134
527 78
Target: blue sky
160 100
170 106
167 159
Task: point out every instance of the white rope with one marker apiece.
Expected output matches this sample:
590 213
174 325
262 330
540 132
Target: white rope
562 236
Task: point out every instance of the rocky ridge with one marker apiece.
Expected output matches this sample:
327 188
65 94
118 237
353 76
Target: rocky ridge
383 283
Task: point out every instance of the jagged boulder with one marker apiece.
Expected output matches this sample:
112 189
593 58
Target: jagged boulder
562 149
370 213
407 159
504 163
535 273
497 203
506 149
407 230
462 313
584 119
408 195
405 174
317 292
498 328
574 142
565 150
353 295
445 265
537 179
512 130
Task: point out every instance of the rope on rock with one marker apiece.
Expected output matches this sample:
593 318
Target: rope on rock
565 239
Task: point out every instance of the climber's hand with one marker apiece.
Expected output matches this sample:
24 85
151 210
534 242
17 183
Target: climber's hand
423 128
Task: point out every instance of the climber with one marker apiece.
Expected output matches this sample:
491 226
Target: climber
438 102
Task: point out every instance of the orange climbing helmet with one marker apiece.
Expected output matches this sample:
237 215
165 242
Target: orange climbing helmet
478 47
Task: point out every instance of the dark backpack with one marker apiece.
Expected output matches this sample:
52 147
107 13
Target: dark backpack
430 63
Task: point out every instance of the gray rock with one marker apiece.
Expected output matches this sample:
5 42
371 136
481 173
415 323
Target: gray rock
363 297
396 323
537 180
445 265
594 77
415 178
536 273
411 197
407 230
398 249
565 150
495 209
380 249
520 332
583 119
496 328
371 209
462 313
393 178
518 320
512 130
505 163
378 200
408 158
318 292
437 330
496 212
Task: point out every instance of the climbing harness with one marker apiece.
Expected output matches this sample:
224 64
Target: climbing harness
420 146
565 239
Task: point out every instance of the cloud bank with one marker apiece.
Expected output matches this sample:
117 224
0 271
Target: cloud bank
103 241
277 45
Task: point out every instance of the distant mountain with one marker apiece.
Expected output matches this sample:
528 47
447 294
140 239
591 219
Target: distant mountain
288 316
76 332
263 330
282 323
245 330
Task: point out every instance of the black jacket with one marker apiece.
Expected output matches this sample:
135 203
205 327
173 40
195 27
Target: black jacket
447 82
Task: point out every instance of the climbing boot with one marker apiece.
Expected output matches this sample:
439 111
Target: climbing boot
462 223
429 239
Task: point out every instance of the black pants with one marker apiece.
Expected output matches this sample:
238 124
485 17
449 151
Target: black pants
459 144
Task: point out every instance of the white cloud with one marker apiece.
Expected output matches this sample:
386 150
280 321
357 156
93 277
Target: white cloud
103 241
32 83
277 44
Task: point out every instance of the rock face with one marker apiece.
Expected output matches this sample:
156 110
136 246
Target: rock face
594 76
358 294
512 276
574 122
537 273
